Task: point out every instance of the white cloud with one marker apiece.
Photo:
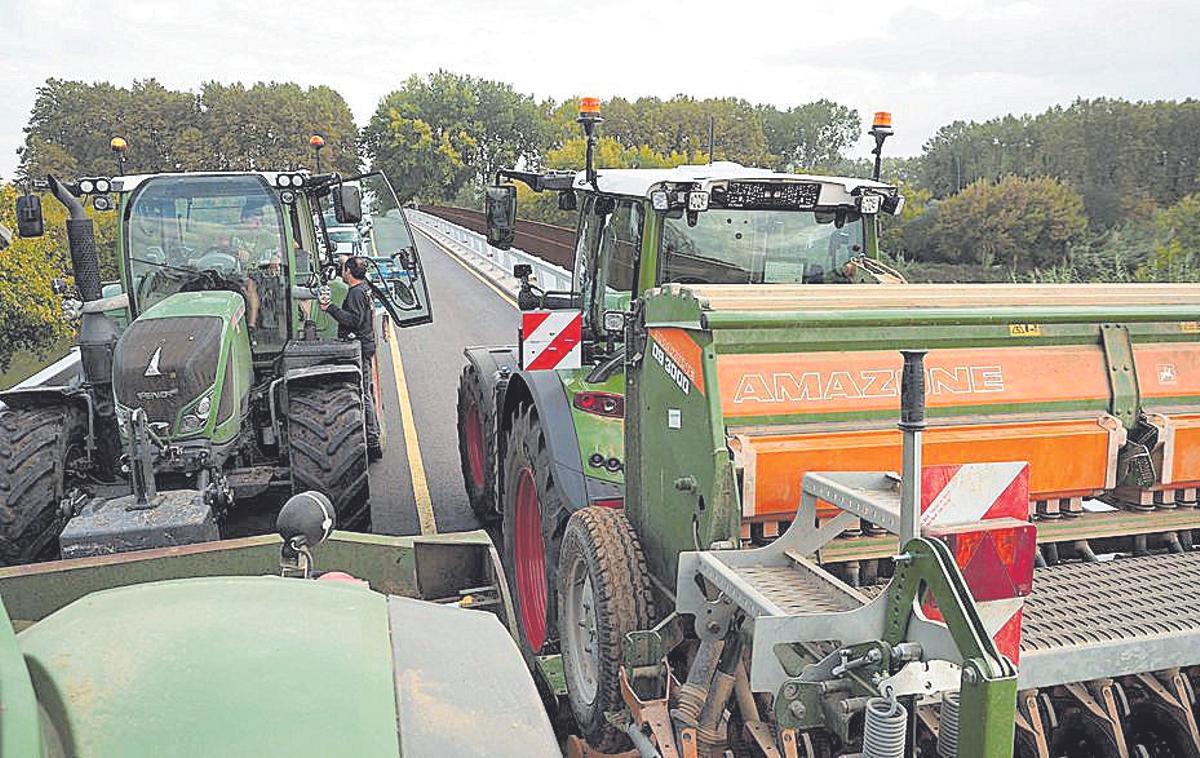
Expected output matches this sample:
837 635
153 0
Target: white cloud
928 61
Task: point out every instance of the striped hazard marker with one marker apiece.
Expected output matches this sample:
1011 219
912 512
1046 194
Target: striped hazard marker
551 340
981 512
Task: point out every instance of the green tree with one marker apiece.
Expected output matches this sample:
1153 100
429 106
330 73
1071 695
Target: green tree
30 317
810 136
437 133
268 125
1018 223
225 127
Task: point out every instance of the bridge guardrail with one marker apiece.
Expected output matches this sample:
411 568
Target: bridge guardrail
493 263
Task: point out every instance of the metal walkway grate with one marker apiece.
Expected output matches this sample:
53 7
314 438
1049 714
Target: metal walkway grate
1124 599
796 590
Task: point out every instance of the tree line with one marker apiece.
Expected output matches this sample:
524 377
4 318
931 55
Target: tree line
1099 189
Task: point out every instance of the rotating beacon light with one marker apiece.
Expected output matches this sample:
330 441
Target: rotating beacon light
317 142
589 116
881 129
119 146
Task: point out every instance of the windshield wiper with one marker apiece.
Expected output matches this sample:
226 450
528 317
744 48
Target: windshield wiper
183 269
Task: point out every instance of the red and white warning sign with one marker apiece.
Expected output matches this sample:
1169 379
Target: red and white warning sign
981 512
550 340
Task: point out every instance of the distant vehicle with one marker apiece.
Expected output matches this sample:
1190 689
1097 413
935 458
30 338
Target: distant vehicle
346 240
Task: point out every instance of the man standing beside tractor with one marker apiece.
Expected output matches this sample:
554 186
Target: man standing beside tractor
356 318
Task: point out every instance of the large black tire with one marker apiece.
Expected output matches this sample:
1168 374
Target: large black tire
531 504
477 445
603 594
327 448
34 447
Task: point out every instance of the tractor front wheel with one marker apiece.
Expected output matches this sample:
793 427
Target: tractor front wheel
35 444
477 445
603 594
532 505
327 444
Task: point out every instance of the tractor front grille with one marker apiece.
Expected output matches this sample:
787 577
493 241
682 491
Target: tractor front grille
163 364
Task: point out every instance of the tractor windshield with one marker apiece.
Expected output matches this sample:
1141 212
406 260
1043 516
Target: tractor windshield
188 233
759 247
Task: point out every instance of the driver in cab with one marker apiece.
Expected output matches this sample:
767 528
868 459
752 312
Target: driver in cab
257 248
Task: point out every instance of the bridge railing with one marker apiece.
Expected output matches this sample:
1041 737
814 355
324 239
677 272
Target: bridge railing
495 263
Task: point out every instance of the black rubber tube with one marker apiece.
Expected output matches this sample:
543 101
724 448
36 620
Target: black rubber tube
912 391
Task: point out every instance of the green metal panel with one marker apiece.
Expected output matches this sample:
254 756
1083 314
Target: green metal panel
230 308
681 491
20 726
176 667
35 591
1122 374
596 434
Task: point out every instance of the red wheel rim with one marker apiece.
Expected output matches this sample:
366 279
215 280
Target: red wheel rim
475 446
530 560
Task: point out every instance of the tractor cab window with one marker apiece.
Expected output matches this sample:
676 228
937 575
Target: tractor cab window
193 233
619 245
759 247
587 243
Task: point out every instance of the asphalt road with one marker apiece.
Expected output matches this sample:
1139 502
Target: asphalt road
466 311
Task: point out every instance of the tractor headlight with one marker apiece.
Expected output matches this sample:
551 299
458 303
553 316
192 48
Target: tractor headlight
660 200
204 406
192 423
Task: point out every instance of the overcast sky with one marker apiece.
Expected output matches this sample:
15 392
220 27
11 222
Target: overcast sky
928 61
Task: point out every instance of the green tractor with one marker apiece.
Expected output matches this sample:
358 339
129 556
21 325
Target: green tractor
358 645
537 445
210 375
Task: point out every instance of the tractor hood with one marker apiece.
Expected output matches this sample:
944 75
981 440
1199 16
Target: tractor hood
170 359
267 666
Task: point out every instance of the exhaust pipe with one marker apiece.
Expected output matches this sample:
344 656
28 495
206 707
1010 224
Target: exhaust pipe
97 331
81 239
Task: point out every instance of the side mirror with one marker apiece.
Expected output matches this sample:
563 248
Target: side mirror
30 222
501 206
405 259
347 204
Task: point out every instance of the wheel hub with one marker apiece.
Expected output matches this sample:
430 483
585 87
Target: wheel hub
582 657
530 560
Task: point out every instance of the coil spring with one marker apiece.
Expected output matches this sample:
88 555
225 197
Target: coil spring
885 729
947 741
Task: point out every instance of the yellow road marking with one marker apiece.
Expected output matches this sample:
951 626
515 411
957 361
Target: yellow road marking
455 257
416 466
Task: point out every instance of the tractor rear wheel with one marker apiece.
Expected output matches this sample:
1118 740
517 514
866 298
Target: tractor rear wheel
327 446
603 594
35 444
477 445
531 504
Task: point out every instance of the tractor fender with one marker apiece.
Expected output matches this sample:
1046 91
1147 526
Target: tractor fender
310 374
27 397
495 365
545 391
